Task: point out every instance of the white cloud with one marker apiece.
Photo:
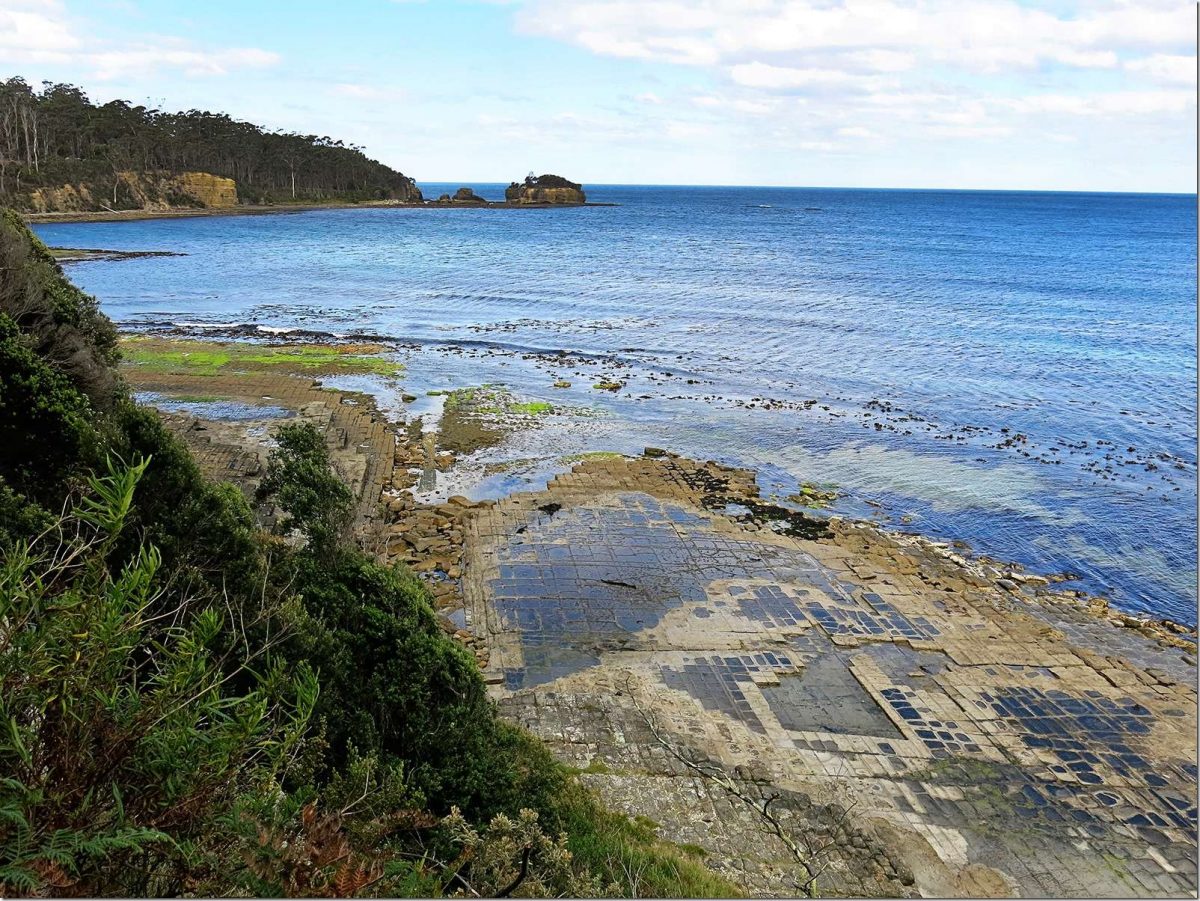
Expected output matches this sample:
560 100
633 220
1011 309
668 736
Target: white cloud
749 105
881 60
42 31
34 29
367 92
879 35
969 131
142 60
786 78
1174 69
1117 103
861 73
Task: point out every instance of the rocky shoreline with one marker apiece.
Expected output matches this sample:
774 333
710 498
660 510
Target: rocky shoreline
272 209
65 255
658 583
424 452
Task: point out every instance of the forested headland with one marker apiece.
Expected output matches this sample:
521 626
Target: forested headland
58 149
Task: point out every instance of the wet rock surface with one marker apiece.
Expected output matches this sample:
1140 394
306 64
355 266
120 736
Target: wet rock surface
986 739
943 724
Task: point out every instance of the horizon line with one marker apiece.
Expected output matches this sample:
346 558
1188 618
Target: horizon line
616 184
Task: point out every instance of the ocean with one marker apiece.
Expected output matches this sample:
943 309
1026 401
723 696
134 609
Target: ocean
1016 371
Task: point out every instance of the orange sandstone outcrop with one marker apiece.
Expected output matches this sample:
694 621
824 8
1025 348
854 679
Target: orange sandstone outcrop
149 191
545 189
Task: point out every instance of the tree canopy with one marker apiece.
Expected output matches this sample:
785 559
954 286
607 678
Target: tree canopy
58 136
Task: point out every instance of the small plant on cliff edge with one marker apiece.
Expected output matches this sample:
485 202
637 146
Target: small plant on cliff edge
514 856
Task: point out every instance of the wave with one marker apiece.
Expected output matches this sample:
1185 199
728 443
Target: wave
250 330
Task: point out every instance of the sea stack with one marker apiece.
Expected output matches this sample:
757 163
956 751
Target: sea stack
549 189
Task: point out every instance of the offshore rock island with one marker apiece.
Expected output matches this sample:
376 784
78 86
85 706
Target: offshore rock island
544 189
534 191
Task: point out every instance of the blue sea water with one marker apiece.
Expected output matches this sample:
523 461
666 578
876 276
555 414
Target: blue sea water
1016 370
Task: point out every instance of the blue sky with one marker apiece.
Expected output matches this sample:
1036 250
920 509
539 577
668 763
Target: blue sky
1055 95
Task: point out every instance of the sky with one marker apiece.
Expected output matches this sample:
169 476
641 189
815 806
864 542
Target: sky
987 94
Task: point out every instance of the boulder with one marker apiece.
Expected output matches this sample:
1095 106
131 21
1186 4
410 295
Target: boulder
467 196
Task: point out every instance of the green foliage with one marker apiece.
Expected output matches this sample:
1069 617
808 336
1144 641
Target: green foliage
45 430
301 480
205 531
60 323
514 854
396 686
118 740
107 508
20 517
629 853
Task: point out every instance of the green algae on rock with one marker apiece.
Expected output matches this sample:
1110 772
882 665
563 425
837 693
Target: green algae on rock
212 357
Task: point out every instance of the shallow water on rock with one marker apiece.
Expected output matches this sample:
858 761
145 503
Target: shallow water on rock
1015 370
217 409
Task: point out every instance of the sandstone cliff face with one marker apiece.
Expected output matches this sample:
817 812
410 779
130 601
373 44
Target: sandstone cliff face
545 189
65 199
147 190
209 190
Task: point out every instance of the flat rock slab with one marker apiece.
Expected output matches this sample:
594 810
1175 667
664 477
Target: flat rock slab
229 421
984 741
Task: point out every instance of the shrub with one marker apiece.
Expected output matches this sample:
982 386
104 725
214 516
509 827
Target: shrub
120 746
45 430
59 322
301 479
205 531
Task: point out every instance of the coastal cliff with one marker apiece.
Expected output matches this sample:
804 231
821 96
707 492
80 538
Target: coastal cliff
144 190
545 189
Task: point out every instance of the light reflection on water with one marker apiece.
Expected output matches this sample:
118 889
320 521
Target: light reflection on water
1066 319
